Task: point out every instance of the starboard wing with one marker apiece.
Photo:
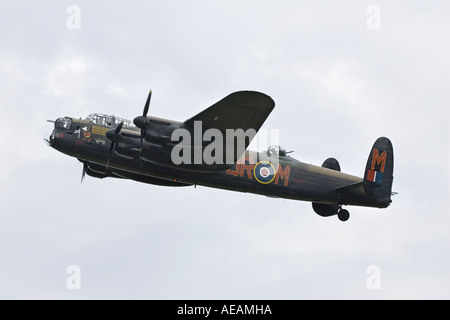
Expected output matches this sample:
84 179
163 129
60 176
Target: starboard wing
244 110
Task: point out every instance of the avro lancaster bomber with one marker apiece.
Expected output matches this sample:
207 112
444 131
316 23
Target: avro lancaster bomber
210 149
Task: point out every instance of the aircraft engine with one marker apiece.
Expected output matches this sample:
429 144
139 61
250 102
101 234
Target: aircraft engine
125 150
158 137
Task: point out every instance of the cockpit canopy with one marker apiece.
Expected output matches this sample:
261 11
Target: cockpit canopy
275 150
105 120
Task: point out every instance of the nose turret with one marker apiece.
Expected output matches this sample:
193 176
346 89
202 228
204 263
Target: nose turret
62 137
49 137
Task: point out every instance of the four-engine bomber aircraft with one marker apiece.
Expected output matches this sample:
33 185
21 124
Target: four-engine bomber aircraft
209 149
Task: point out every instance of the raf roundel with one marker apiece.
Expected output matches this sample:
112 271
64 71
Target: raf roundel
264 172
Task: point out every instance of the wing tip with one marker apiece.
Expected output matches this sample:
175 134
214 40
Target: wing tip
256 98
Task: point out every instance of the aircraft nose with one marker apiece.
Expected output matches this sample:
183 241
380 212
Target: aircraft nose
49 137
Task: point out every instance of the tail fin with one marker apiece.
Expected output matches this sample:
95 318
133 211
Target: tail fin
378 176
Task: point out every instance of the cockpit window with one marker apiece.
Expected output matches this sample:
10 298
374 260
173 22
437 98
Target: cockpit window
63 123
277 151
101 121
106 120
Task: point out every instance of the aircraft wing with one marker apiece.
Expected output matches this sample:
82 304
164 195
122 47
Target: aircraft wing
240 110
243 109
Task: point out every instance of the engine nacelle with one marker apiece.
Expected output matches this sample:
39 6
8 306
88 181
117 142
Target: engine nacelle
157 138
126 151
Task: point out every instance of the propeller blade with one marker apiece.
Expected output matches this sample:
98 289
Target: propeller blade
147 103
118 128
113 134
84 170
142 121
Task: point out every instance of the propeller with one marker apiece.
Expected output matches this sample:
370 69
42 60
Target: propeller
147 103
85 167
141 121
113 134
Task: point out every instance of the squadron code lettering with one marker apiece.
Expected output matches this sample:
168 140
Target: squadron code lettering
231 309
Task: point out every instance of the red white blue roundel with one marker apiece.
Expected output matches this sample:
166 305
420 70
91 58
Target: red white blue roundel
264 172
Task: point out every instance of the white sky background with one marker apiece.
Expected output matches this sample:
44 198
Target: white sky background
337 86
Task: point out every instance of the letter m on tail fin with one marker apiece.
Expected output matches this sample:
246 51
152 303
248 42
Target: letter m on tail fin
378 176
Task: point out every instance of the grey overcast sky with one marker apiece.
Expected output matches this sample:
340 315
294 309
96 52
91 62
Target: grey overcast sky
342 73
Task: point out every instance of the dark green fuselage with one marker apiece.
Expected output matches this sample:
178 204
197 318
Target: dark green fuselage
291 178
